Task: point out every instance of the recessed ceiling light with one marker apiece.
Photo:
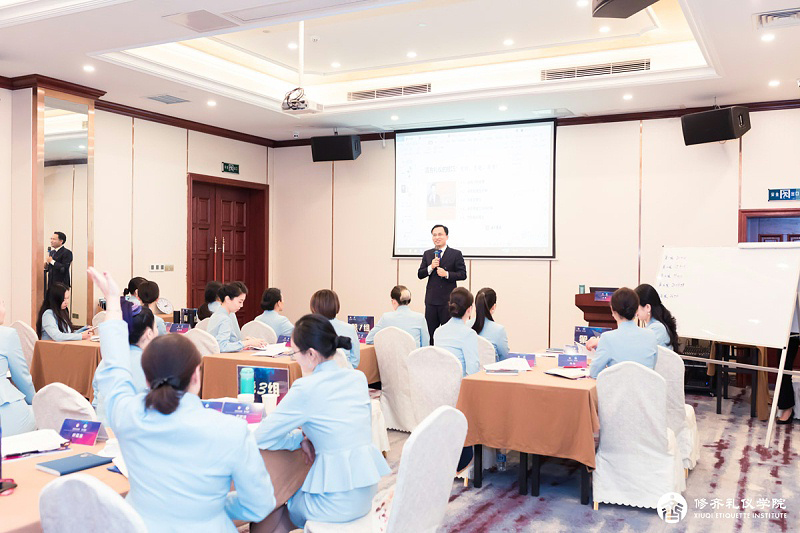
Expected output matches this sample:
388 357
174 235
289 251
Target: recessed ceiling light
336 64
422 25
211 103
292 46
627 97
394 117
411 55
88 68
81 147
605 29
503 108
768 37
774 83
508 42
583 3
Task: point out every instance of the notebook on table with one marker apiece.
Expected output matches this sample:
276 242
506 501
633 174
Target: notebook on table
569 373
73 463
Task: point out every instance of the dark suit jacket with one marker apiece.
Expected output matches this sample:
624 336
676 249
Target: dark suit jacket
438 289
59 270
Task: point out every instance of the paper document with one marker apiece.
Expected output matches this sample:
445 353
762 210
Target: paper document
569 373
512 363
42 440
271 350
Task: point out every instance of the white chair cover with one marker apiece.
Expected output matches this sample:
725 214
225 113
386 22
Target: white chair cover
259 330
435 378
424 480
205 341
56 402
27 337
203 324
98 318
637 460
486 352
392 346
341 359
81 498
680 416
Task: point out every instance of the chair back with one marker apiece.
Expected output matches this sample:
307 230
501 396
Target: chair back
203 324
27 338
669 366
259 330
425 476
341 359
486 352
435 379
98 318
83 497
392 346
56 402
205 341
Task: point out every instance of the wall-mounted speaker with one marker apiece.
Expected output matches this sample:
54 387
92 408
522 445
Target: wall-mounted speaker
716 125
618 9
336 148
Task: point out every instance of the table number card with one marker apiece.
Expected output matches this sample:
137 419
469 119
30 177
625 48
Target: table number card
363 326
217 406
572 361
250 412
80 431
530 357
584 333
285 339
267 381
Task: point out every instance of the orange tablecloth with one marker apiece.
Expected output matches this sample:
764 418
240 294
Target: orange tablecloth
532 413
219 371
369 363
71 363
20 511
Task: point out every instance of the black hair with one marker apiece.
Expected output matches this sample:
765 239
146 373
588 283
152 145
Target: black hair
625 302
139 323
148 292
52 301
231 290
484 301
460 301
316 331
648 295
212 291
133 285
326 303
270 297
61 236
168 363
446 231
401 294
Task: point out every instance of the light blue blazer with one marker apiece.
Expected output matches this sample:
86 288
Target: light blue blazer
343 329
11 358
332 407
50 331
462 341
137 377
660 331
161 327
496 334
628 342
279 323
221 327
213 307
409 321
180 465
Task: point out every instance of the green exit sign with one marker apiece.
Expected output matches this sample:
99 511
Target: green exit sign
231 168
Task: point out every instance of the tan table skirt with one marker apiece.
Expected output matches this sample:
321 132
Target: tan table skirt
72 363
532 413
219 371
369 363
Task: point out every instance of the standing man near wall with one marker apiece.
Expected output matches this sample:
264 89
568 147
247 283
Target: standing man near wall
443 267
59 260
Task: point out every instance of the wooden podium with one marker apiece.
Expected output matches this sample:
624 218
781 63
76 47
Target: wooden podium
597 314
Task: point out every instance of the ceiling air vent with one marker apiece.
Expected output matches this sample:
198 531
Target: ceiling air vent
777 19
604 69
167 99
390 92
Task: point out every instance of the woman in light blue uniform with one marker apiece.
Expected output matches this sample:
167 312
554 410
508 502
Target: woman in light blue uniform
131 292
221 323
403 318
326 303
272 304
181 457
148 294
141 330
628 342
485 326
656 317
16 413
456 336
327 413
54 323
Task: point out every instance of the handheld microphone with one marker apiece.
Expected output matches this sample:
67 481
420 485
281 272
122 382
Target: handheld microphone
438 254
48 249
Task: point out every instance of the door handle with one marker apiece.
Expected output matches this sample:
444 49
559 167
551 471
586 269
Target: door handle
215 257
223 259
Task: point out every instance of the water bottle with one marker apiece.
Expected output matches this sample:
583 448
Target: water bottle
247 386
501 460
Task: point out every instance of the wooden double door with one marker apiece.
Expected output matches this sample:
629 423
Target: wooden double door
228 239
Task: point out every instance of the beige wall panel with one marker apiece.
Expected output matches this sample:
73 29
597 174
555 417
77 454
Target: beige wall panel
301 230
597 195
6 224
207 152
18 304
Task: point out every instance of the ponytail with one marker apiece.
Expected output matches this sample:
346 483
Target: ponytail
649 295
344 342
460 300
401 294
169 363
484 301
133 285
316 331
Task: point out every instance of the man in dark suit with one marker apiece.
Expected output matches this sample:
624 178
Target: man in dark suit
442 266
59 259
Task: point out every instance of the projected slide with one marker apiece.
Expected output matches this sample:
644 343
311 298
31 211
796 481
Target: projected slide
492 186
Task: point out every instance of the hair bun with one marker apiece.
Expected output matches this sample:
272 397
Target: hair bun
344 342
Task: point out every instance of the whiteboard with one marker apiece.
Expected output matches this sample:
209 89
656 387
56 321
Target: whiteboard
745 294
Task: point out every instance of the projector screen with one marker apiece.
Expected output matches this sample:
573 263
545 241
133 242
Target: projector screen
491 185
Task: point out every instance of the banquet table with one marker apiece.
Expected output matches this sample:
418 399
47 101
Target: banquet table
72 363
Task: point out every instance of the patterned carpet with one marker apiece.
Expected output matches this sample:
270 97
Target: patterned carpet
734 464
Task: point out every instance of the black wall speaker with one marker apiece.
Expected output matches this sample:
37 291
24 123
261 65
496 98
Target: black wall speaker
618 9
716 125
336 148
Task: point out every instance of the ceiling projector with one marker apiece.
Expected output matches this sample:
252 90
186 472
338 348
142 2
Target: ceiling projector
295 102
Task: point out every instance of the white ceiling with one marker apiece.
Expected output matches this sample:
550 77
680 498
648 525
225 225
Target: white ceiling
461 44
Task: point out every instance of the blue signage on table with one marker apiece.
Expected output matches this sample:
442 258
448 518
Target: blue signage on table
284 339
363 326
531 357
176 328
584 333
267 380
80 431
251 412
217 406
784 194
603 296
569 360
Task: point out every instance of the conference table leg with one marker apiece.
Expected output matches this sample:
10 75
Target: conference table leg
523 473
536 464
586 484
477 466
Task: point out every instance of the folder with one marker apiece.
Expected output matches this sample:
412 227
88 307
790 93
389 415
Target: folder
73 463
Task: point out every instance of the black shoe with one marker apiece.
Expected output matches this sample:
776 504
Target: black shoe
787 421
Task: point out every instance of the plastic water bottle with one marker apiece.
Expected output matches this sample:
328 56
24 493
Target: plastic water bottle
247 381
501 460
